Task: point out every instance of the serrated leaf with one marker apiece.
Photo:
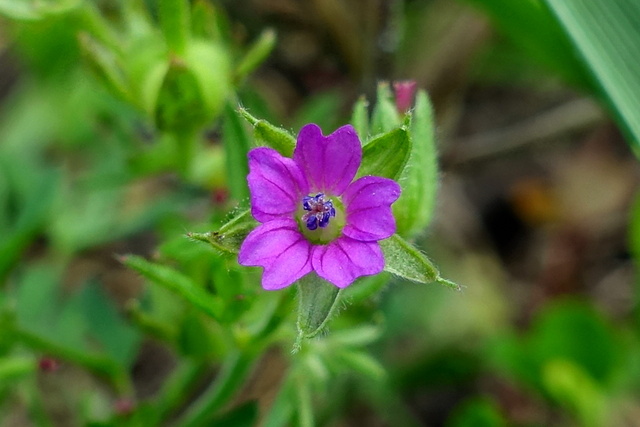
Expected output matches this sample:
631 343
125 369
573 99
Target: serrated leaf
266 134
405 260
606 35
177 283
230 236
386 155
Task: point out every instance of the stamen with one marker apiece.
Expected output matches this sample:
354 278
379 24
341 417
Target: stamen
320 211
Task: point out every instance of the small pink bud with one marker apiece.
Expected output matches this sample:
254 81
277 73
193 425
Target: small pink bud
48 364
123 406
405 92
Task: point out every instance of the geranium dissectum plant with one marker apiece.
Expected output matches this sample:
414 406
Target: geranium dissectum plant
313 215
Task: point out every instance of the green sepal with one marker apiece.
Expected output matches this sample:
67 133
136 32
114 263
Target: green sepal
360 118
386 155
419 180
257 54
317 302
266 134
403 259
231 235
385 116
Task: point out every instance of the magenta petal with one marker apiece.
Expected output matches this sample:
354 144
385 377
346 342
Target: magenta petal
329 162
368 208
345 259
276 184
279 247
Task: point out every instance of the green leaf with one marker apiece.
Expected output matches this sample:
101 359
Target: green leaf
105 64
360 118
194 338
317 302
13 369
406 261
232 375
177 283
321 109
386 155
210 64
116 337
385 115
231 235
532 29
175 23
606 34
282 409
572 387
266 134
236 143
146 65
363 363
31 218
477 412
257 54
245 415
419 179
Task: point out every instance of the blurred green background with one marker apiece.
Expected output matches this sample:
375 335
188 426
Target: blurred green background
119 133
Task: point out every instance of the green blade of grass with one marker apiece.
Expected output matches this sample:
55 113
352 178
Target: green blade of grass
606 34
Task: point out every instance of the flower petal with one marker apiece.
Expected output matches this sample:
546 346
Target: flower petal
368 208
279 247
276 184
345 259
329 162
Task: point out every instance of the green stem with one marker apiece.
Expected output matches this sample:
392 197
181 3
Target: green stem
98 364
305 409
231 377
186 145
36 406
177 389
281 410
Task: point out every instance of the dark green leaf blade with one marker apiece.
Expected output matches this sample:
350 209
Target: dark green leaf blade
606 34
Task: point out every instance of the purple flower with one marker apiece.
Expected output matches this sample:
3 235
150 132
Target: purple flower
313 217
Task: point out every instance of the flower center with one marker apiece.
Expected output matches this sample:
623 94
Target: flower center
319 211
319 219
